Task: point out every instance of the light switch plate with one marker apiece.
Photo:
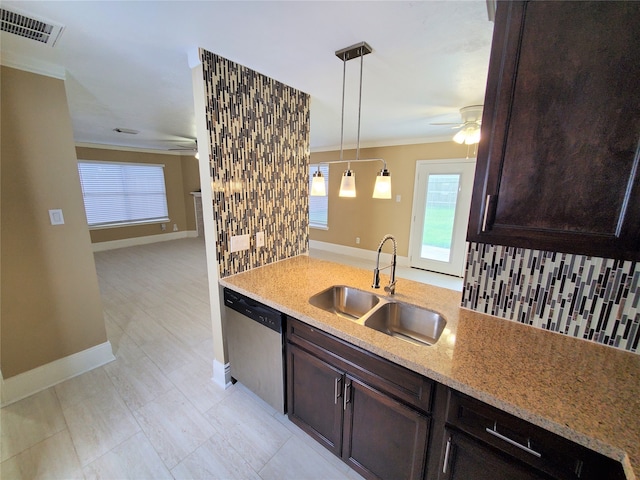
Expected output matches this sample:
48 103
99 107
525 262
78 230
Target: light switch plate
259 239
239 242
56 217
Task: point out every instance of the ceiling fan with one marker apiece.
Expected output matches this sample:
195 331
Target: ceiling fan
188 145
469 129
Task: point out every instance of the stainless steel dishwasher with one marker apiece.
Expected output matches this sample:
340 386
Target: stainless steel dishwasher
256 347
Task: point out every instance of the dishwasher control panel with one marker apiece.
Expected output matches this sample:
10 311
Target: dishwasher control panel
256 311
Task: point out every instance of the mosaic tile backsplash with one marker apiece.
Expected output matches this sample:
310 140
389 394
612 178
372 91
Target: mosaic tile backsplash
592 298
259 134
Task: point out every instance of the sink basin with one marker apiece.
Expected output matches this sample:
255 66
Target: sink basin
345 301
407 322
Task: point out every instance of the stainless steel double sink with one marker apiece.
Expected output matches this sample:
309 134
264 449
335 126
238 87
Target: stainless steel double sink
413 324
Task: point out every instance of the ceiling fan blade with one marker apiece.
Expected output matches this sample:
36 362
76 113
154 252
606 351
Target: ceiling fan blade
447 123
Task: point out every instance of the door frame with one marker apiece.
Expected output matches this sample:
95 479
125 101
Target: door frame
416 201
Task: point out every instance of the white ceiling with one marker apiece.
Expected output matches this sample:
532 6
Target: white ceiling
127 63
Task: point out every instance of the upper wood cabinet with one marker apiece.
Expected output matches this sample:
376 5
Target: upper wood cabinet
557 165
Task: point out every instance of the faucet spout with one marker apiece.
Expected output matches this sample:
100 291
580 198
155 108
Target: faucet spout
391 288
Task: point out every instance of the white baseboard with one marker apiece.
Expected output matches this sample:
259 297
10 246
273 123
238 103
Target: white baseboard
354 252
132 242
25 384
222 374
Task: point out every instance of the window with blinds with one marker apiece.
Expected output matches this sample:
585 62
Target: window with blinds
118 194
319 206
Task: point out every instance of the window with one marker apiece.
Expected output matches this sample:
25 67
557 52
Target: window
117 194
319 206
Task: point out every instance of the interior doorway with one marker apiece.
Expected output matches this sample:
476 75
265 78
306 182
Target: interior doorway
441 202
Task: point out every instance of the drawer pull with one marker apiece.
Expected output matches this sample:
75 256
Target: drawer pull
494 431
347 394
337 389
446 456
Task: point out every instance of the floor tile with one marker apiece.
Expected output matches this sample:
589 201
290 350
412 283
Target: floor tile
215 459
316 446
174 427
29 421
53 458
137 382
297 460
82 387
99 423
252 431
195 382
133 459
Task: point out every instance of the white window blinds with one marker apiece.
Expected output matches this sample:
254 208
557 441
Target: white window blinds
123 193
319 206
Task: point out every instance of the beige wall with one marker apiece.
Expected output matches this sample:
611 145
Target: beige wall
51 305
190 183
177 201
369 218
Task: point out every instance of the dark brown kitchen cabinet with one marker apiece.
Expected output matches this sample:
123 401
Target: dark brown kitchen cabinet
557 165
353 411
482 442
467 458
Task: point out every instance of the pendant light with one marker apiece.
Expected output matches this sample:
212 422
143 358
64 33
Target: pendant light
382 187
318 188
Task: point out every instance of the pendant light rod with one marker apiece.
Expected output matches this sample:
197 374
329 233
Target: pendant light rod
344 74
358 160
359 105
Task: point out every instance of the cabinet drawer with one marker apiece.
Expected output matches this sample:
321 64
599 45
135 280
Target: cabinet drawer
533 445
399 382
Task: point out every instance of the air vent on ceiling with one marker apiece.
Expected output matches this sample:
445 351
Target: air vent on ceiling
29 26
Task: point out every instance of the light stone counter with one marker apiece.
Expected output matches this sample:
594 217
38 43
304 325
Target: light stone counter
580 390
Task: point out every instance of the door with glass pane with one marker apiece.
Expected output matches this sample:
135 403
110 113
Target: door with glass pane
442 197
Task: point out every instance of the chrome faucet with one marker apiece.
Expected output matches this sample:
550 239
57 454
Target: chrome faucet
391 288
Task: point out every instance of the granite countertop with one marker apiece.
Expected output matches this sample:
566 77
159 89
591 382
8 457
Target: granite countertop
585 392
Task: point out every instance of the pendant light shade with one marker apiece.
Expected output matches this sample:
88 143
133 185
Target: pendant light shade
348 184
318 188
382 188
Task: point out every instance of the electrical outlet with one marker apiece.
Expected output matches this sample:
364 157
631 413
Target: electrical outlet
175 227
163 227
357 240
56 217
398 198
259 239
238 243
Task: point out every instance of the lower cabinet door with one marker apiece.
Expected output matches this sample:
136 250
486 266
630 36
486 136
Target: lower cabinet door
382 437
315 391
464 459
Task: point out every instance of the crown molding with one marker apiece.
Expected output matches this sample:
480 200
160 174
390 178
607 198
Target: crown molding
122 148
28 64
386 143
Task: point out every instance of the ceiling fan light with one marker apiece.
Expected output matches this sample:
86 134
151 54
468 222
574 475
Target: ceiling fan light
473 137
348 184
318 188
460 137
382 187
469 135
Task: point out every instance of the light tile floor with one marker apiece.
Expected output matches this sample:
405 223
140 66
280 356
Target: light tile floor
154 413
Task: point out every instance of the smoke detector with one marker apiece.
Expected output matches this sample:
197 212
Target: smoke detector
29 26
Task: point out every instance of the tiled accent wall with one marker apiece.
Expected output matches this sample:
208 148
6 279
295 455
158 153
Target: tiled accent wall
587 297
259 133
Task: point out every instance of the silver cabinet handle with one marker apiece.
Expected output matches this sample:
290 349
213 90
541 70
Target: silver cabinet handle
337 390
446 456
527 448
347 394
486 213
